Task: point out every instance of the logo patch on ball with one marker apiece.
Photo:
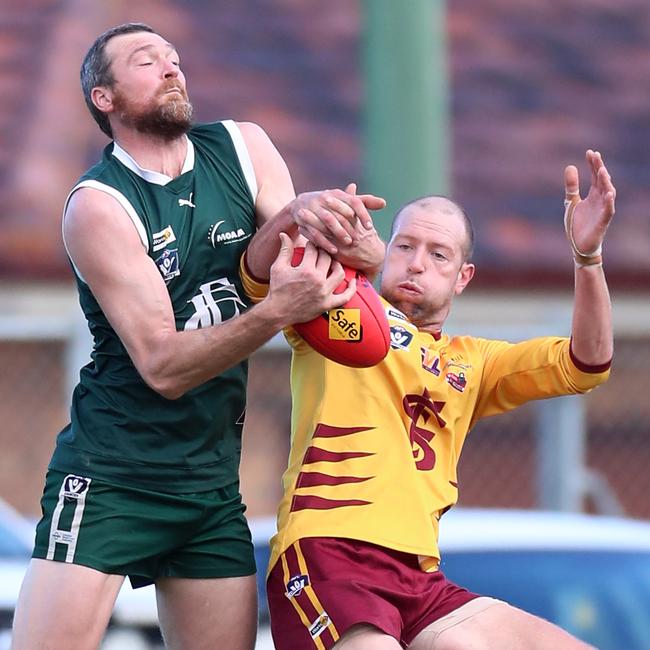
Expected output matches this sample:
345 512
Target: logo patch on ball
345 324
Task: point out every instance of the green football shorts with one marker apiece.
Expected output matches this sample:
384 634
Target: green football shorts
143 534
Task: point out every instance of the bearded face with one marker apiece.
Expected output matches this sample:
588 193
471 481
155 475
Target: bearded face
167 115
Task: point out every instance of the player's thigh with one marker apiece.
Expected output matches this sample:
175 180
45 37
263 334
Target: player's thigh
496 626
366 637
63 605
203 614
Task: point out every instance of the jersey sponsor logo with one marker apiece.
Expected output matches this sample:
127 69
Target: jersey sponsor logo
421 408
345 324
163 238
296 584
319 625
430 361
168 265
457 381
186 202
455 363
396 313
216 302
400 337
218 235
456 378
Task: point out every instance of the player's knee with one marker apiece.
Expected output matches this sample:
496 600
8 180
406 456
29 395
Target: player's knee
499 626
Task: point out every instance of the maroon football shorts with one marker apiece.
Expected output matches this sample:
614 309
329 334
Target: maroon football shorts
322 586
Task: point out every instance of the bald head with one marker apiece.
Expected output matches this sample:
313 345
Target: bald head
427 260
434 203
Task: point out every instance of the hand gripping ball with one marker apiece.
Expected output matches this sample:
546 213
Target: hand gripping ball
355 334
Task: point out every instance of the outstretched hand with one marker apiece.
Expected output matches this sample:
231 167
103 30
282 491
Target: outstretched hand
586 220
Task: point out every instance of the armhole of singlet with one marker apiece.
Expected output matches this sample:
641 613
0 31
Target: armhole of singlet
244 157
121 199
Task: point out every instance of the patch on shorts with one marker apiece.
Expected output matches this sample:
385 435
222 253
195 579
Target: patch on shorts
75 487
72 498
296 584
319 625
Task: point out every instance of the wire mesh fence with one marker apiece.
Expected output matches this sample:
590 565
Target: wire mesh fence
499 465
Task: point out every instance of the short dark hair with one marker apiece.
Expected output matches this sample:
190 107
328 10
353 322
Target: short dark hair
424 202
96 69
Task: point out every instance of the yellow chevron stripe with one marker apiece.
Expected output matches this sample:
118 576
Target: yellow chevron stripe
294 601
309 590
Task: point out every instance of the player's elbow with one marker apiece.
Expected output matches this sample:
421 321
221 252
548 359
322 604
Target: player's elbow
157 372
162 384
168 389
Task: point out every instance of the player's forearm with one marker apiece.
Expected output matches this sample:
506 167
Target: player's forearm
265 245
592 332
181 361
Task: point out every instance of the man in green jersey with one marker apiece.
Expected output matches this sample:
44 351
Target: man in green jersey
144 480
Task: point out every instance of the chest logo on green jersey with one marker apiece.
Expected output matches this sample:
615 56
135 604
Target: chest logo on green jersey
186 202
216 302
222 234
167 264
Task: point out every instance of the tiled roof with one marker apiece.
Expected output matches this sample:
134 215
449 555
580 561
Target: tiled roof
534 84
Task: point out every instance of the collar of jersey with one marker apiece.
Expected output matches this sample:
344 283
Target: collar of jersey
147 174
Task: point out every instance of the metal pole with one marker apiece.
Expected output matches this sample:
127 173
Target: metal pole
561 453
406 102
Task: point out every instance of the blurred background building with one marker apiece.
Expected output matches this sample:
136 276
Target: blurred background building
531 85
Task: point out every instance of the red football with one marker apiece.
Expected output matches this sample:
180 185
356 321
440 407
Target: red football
355 334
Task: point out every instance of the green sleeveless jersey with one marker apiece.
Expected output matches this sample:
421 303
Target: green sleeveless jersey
195 227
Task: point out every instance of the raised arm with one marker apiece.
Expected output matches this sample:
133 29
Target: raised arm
107 251
586 222
335 220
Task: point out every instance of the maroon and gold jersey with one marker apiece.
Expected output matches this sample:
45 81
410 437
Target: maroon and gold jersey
374 450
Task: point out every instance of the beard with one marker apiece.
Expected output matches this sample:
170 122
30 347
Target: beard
165 116
420 312
416 313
